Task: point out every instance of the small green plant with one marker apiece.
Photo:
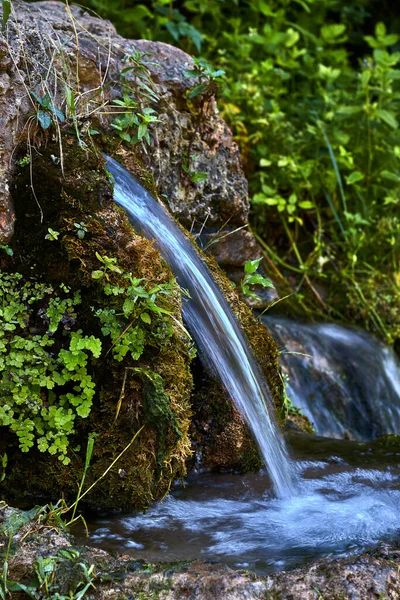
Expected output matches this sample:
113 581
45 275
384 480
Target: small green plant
88 457
194 176
138 93
43 389
208 79
24 161
52 235
136 308
251 277
6 249
81 229
288 406
47 113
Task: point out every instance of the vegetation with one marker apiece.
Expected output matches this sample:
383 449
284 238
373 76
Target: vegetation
311 90
45 387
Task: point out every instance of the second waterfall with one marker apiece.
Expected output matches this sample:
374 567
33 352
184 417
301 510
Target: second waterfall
222 344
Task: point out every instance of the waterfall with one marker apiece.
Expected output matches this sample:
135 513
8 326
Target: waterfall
221 342
344 380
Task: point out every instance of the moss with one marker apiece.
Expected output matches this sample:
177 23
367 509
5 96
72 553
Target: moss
84 194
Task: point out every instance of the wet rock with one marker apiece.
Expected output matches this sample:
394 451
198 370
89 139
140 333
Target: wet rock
231 248
369 576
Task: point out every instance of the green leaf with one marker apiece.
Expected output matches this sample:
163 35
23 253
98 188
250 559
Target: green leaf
390 176
388 117
97 274
124 135
354 177
197 90
6 14
198 177
7 249
251 266
330 33
306 204
349 111
59 114
191 74
380 30
145 318
142 130
44 119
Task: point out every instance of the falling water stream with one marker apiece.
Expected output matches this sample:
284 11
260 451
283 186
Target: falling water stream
210 320
347 493
343 379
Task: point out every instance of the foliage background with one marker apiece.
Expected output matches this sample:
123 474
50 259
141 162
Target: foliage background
312 94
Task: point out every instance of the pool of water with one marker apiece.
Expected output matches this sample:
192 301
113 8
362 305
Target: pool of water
348 500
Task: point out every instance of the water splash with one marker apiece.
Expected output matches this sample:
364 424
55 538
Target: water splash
346 381
221 342
348 501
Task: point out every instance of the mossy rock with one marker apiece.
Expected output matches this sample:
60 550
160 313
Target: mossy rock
218 430
82 193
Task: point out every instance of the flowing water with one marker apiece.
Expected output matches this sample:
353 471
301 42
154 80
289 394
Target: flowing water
348 501
212 325
344 380
347 494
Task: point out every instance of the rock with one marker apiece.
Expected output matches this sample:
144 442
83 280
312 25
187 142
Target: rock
122 404
40 175
362 577
221 198
232 248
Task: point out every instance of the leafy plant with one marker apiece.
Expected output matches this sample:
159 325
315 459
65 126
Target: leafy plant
251 278
81 229
208 78
52 235
136 309
47 113
138 93
43 389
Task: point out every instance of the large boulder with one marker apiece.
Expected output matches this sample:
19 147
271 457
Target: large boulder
61 74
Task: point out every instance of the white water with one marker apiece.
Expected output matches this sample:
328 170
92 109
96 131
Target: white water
211 323
348 501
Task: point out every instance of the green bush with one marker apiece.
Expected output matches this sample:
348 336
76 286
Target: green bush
312 94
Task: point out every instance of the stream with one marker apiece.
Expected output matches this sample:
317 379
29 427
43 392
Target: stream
348 501
330 496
